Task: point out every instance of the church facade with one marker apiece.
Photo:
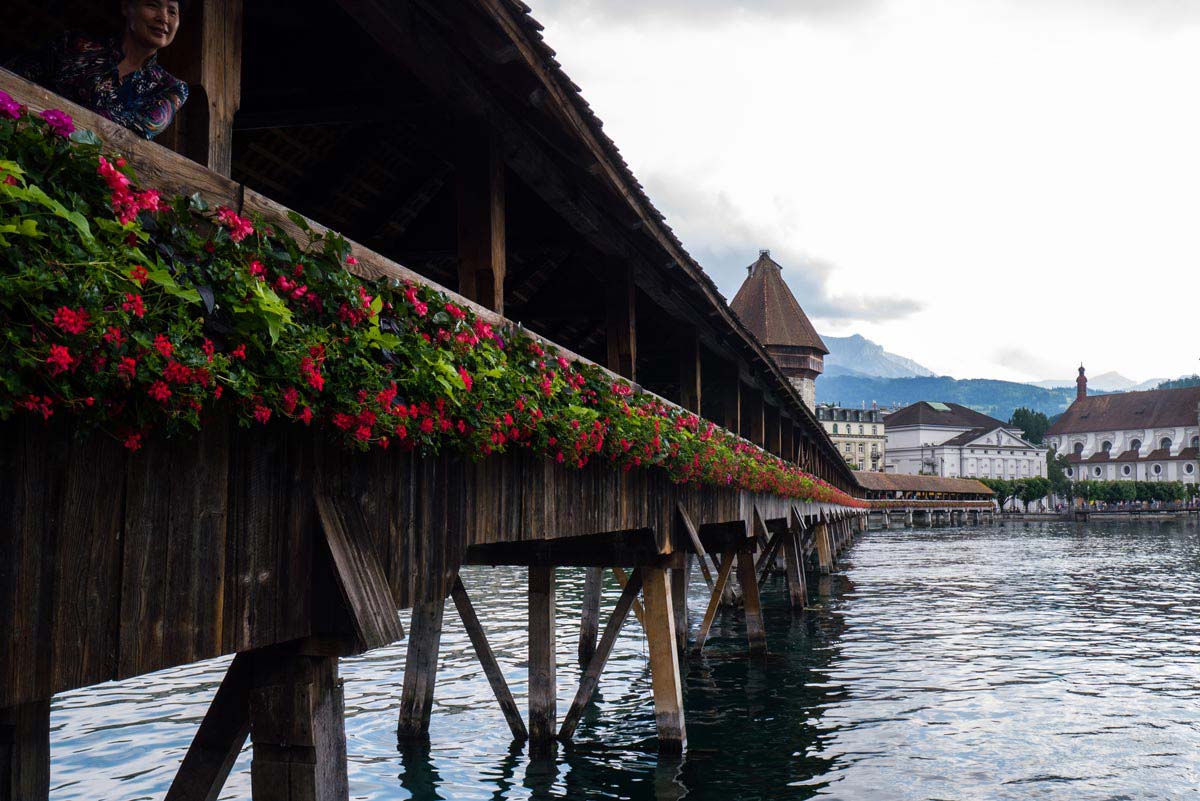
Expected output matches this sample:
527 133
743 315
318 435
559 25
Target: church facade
947 439
1130 436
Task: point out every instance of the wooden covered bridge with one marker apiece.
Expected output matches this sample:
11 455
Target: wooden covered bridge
903 500
444 140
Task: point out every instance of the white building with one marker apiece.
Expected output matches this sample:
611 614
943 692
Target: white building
858 434
946 439
1130 436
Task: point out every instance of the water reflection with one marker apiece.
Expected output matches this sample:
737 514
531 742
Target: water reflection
1029 660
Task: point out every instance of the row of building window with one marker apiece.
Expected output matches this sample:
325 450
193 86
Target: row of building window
1127 470
849 430
1166 443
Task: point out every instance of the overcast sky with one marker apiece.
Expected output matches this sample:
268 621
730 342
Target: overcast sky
995 188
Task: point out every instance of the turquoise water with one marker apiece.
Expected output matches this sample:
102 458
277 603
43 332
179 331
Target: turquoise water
1022 661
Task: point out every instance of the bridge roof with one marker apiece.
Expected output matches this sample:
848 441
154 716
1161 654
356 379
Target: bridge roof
897 482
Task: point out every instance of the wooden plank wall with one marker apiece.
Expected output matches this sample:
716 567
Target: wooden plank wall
115 564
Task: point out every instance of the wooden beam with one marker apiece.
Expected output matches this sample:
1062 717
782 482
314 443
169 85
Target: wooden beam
714 600
753 416
664 662
219 739
608 549
360 577
487 660
589 616
793 556
479 177
25 752
773 434
684 523
208 56
824 548
756 633
787 439
420 669
689 369
763 566
732 402
591 676
680 578
620 309
543 696
624 580
297 726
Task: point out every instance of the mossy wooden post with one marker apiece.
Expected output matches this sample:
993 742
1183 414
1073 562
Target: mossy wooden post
664 661
543 695
25 752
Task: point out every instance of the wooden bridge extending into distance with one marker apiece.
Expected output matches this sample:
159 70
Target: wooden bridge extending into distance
472 163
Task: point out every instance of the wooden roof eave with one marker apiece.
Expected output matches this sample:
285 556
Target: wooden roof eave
609 168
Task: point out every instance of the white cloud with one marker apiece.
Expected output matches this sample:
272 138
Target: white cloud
1026 172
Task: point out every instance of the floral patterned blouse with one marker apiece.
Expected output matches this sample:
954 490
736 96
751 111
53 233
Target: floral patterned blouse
84 70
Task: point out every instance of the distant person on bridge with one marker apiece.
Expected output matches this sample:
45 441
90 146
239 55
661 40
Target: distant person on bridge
117 77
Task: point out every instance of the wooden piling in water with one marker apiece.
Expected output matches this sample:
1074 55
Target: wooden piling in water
25 752
589 617
420 670
665 676
543 687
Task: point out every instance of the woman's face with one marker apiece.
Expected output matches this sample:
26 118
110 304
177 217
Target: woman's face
152 23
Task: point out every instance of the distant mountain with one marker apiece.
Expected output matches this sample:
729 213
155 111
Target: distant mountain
858 356
1105 382
995 398
1181 383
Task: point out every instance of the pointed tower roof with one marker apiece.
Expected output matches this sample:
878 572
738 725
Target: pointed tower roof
770 310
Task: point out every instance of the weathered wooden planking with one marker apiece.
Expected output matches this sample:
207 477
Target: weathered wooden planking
359 576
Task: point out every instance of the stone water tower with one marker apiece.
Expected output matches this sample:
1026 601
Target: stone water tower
770 310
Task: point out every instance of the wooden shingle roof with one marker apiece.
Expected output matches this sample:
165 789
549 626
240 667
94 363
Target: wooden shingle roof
899 482
769 309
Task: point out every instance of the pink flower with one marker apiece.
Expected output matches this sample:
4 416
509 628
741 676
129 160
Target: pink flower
73 321
133 442
466 378
139 274
59 122
9 107
239 227
60 359
159 391
258 270
262 414
163 345
133 304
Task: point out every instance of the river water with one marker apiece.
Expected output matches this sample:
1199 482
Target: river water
1022 661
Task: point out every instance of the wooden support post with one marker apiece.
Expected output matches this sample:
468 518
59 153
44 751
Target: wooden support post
753 419
589 616
664 662
797 591
219 739
25 752
623 580
297 726
770 553
787 439
420 669
773 435
543 695
756 633
591 676
824 548
693 536
620 311
479 172
679 586
689 370
487 660
714 601
208 57
732 401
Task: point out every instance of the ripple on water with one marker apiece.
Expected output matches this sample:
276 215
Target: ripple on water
1015 662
